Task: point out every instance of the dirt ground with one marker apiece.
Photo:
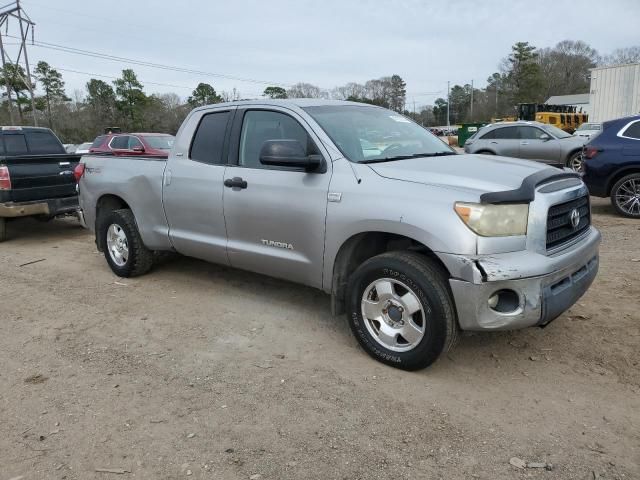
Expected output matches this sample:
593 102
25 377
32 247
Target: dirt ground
206 372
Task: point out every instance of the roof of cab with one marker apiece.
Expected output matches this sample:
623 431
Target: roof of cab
289 102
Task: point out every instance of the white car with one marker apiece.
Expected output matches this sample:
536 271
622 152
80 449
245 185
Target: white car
588 130
83 148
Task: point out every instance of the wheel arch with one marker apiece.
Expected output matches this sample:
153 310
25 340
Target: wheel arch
107 203
623 172
362 246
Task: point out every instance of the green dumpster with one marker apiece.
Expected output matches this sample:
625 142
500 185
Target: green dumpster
466 131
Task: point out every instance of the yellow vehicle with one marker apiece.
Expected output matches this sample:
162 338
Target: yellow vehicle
562 116
569 122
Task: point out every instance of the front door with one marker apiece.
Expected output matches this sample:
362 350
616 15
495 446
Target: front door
275 215
193 189
534 145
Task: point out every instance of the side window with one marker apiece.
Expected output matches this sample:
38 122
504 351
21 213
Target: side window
258 126
489 135
633 131
208 141
120 142
507 133
530 133
134 142
15 145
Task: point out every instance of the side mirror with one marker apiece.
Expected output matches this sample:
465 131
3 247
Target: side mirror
288 153
138 149
545 137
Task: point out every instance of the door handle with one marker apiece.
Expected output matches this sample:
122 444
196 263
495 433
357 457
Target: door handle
235 182
524 143
495 142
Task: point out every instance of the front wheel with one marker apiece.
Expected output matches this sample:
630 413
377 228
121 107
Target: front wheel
3 229
401 311
625 196
575 162
123 248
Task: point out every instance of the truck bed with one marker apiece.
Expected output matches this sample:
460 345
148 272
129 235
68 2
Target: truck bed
138 181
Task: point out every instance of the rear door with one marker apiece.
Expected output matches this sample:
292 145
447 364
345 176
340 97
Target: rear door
38 165
276 221
193 186
533 147
503 141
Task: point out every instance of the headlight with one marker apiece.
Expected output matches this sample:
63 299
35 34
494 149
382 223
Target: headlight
494 220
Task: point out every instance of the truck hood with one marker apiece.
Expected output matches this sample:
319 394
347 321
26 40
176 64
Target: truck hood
477 173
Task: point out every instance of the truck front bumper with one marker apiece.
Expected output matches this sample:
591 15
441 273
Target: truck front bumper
533 289
50 207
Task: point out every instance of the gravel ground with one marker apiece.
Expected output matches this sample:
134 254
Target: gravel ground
206 372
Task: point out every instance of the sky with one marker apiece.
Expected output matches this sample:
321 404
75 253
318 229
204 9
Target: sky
327 43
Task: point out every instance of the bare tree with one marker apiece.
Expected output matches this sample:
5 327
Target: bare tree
621 56
306 90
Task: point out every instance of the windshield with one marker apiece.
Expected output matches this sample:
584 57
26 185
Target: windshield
161 142
556 132
589 126
369 134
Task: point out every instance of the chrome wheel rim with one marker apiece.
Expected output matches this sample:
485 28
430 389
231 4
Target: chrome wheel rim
575 163
628 197
117 245
393 315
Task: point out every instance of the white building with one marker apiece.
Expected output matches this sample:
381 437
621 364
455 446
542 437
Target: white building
615 92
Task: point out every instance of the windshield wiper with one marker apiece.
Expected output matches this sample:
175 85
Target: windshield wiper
406 157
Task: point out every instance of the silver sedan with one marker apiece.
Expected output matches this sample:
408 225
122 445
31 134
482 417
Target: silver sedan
530 140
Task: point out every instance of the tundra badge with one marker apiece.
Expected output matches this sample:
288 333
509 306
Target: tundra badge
271 243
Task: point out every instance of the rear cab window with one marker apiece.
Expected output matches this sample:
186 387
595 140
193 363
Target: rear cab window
31 142
43 142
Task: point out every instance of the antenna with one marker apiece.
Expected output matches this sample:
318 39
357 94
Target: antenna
12 12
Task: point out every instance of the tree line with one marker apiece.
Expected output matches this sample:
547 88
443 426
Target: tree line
527 74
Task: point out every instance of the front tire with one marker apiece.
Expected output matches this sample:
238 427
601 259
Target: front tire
625 196
401 311
123 248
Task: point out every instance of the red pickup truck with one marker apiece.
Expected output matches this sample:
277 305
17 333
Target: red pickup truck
147 144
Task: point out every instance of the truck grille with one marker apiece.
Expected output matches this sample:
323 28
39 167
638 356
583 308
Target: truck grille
560 225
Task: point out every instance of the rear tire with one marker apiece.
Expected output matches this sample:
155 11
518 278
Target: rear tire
625 196
3 229
485 152
401 311
123 248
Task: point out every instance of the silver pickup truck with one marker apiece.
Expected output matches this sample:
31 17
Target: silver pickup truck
411 240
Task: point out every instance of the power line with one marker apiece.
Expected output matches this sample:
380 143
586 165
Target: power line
114 58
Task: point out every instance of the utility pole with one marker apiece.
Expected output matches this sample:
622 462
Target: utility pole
471 110
448 101
14 10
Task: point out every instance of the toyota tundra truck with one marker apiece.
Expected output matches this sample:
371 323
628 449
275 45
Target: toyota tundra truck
414 242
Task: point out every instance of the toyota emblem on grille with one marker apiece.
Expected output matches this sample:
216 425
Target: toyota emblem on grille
574 218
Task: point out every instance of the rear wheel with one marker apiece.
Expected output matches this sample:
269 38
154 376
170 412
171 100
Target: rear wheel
401 311
3 229
123 248
485 152
575 162
625 196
